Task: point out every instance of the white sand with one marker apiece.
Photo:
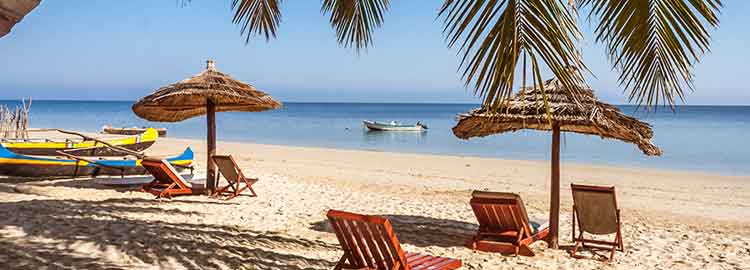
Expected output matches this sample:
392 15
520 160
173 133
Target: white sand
673 220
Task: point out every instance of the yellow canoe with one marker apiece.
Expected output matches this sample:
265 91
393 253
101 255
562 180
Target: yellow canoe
83 147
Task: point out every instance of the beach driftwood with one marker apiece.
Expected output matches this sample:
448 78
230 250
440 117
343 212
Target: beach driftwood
14 122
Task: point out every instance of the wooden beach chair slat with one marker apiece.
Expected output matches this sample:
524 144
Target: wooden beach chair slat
503 224
354 248
337 226
508 218
389 236
167 181
595 211
359 238
236 180
438 263
385 250
370 243
418 259
493 215
364 230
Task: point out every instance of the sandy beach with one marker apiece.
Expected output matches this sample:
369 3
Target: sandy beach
673 219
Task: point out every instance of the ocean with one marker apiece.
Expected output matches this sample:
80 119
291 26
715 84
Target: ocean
699 138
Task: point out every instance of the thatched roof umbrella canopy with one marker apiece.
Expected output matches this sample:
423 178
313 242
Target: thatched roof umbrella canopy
12 11
581 113
206 93
527 110
189 98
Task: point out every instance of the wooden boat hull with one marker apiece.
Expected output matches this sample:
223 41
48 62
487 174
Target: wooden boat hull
89 148
12 164
131 131
377 126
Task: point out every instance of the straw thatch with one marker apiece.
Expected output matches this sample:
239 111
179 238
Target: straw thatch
186 99
12 11
527 110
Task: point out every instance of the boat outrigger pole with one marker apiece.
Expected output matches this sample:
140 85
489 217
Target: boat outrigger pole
111 146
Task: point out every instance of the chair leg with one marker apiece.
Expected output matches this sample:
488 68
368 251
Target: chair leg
472 243
220 191
167 192
231 196
524 250
341 263
249 186
573 230
619 232
578 245
575 250
237 189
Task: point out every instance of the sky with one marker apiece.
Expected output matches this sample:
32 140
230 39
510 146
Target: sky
122 50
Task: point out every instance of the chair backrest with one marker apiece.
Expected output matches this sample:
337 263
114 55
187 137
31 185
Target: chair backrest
499 212
163 171
228 167
368 241
596 208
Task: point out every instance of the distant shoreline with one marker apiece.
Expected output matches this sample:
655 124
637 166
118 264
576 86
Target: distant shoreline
500 159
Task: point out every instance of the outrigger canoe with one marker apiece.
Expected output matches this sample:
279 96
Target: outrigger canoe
380 126
131 131
80 147
12 164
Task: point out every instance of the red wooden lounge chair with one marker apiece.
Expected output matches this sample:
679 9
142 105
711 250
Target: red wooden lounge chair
504 226
232 173
167 182
370 243
595 210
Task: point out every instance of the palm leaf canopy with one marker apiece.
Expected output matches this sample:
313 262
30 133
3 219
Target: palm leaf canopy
528 110
12 11
188 98
653 44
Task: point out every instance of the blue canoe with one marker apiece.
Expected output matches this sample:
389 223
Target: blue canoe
12 164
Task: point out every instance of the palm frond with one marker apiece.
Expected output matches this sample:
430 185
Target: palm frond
257 17
654 43
493 34
355 20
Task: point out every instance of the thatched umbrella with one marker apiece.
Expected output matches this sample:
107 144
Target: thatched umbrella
584 114
206 93
12 11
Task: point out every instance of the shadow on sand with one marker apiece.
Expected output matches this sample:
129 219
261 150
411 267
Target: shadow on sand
41 233
422 231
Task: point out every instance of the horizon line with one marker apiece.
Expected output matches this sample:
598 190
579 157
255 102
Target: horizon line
365 102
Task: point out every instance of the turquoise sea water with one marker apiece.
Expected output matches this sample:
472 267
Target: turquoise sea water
701 138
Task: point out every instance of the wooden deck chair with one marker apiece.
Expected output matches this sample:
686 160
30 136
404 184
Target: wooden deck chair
504 226
595 210
167 181
237 182
370 243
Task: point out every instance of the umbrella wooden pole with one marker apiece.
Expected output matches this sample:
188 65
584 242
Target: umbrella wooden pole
211 146
554 202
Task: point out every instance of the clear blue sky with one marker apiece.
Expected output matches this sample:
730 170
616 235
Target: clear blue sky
121 50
